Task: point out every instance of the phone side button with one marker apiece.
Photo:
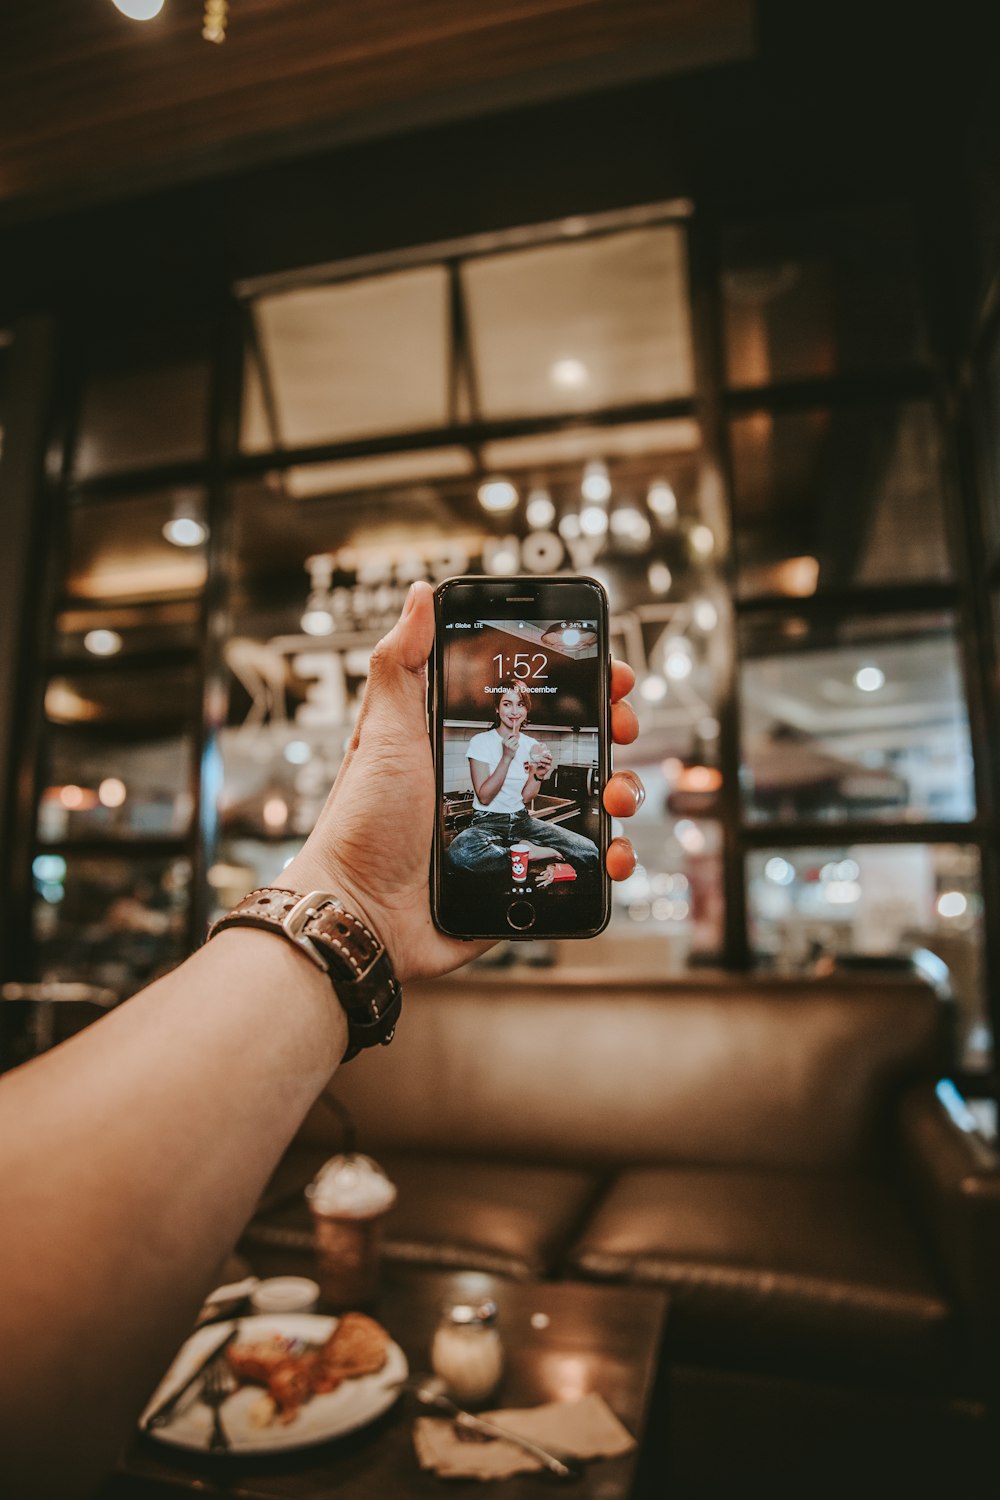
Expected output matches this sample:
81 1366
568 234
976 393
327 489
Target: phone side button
520 915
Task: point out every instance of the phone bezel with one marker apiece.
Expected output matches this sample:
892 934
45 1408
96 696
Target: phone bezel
577 596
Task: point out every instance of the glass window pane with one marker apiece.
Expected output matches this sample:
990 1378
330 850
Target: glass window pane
124 630
581 325
131 702
108 787
856 719
118 548
109 921
348 360
837 292
670 910
825 499
810 908
342 560
145 398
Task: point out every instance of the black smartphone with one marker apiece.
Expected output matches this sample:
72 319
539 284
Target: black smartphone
519 697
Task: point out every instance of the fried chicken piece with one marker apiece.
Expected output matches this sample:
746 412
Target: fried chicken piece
254 1361
357 1346
325 1378
291 1384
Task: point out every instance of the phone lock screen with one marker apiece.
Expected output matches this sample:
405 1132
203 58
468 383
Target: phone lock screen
521 749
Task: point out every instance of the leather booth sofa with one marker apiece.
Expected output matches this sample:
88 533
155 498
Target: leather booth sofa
773 1152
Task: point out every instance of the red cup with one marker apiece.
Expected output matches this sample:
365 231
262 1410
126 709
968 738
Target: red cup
519 861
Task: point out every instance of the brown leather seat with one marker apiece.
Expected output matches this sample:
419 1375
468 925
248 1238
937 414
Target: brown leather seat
504 1217
736 1139
508 1218
775 1269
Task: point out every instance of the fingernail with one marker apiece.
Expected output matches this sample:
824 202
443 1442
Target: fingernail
409 601
637 786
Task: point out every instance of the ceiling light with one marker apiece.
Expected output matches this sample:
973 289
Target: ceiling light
678 666
593 521
185 532
662 501
186 527
540 512
102 642
842 892
569 374
798 576
702 541
569 526
705 615
630 524
653 688
869 679
317 620
215 20
275 813
139 10
596 485
77 798
111 792
689 836
660 578
700 779
497 495
503 559
952 904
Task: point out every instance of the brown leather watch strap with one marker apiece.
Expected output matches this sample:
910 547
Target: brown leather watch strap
338 942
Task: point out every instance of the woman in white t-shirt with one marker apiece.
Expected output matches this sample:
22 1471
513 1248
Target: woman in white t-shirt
507 768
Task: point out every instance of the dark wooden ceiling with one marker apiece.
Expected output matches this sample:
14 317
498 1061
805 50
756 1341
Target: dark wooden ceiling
95 105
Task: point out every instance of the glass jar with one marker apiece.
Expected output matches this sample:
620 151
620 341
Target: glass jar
467 1351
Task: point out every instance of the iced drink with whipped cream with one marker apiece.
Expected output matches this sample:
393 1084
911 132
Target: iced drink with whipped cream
349 1198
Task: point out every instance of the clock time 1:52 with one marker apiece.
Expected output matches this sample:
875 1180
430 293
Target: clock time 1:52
524 665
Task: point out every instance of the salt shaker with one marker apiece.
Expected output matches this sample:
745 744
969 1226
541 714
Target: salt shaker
467 1351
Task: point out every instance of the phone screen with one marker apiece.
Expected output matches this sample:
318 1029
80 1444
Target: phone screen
521 712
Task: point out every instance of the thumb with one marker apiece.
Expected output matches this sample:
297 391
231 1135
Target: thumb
412 635
396 678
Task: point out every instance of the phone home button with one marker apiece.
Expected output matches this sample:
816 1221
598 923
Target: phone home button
520 915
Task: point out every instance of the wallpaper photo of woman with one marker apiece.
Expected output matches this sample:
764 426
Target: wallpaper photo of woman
508 767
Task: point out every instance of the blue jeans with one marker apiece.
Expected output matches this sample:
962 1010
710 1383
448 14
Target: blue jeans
484 849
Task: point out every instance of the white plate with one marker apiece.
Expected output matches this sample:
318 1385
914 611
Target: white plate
353 1404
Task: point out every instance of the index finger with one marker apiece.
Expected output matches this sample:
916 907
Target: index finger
622 680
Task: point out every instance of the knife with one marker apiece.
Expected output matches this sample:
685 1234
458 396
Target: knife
165 1409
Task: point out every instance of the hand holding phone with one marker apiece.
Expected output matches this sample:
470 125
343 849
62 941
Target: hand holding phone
372 841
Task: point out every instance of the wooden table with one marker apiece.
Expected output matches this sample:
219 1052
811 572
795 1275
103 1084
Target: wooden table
561 1339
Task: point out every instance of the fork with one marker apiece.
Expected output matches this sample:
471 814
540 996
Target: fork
216 1388
431 1391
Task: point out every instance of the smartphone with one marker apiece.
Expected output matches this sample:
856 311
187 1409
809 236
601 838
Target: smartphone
519 699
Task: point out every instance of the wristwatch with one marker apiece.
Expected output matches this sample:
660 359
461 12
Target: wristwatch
338 942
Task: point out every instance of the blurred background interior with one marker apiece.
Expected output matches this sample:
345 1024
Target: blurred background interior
301 302
698 297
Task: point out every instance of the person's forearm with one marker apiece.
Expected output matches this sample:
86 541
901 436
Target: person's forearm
494 781
133 1157
531 789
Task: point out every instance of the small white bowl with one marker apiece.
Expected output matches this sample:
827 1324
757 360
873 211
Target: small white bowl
285 1294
